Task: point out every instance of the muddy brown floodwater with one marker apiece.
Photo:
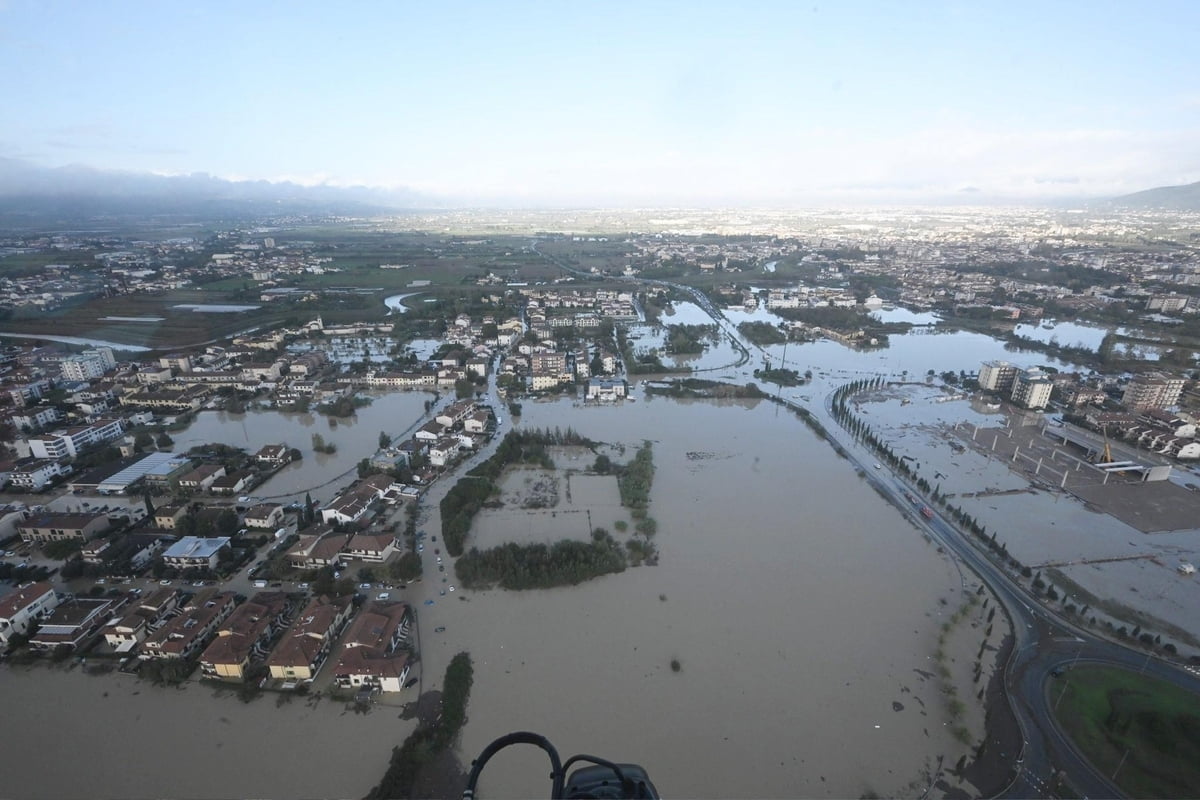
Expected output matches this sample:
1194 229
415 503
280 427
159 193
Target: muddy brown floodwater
803 610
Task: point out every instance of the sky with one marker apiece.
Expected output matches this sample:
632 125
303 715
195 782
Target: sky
617 103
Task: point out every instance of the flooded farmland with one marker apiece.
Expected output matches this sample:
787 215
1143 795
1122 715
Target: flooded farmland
803 612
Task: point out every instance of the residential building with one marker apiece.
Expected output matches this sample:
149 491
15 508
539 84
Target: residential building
195 552
604 389
273 455
202 477
306 644
322 548
1152 390
997 376
21 610
184 635
73 622
168 516
1031 389
373 547
54 527
36 473
371 656
70 441
244 635
267 516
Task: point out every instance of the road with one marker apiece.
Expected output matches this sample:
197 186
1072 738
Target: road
1043 642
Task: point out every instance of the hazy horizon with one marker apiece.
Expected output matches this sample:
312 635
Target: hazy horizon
534 105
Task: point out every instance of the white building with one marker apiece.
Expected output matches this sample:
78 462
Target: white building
194 551
21 610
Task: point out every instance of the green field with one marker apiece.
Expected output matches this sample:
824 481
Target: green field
1108 711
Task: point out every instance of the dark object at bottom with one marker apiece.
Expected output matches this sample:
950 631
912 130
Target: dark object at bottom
602 782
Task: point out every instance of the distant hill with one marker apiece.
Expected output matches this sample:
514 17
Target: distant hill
31 194
1170 198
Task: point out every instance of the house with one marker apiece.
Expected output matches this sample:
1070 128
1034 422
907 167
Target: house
605 390
353 504
443 451
455 413
374 547
185 634
371 657
233 483
273 455
73 622
125 632
306 644
244 635
264 515
322 549
194 551
21 610
34 474
477 422
202 477
168 516
430 432
56 527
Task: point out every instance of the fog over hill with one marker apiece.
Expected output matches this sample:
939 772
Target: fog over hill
1167 198
29 192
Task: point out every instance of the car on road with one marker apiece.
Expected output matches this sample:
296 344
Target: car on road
437 551
164 582
440 629
420 548
197 583
384 596
443 592
428 602
452 587
304 585
433 538
439 559
441 567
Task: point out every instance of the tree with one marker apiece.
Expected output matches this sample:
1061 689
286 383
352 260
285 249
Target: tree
464 388
309 511
603 464
384 439
163 441
142 440
227 521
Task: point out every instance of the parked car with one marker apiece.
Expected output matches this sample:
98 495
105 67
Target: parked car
364 586
384 596
164 582
440 629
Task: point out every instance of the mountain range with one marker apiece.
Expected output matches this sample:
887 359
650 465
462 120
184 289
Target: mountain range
35 195
29 192
1166 198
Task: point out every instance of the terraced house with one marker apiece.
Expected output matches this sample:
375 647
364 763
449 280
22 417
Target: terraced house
306 644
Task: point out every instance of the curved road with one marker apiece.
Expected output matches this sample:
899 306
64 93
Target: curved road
1043 642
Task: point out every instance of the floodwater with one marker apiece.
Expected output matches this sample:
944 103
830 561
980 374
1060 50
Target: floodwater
799 605
115 736
133 348
395 302
803 612
356 437
1039 527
